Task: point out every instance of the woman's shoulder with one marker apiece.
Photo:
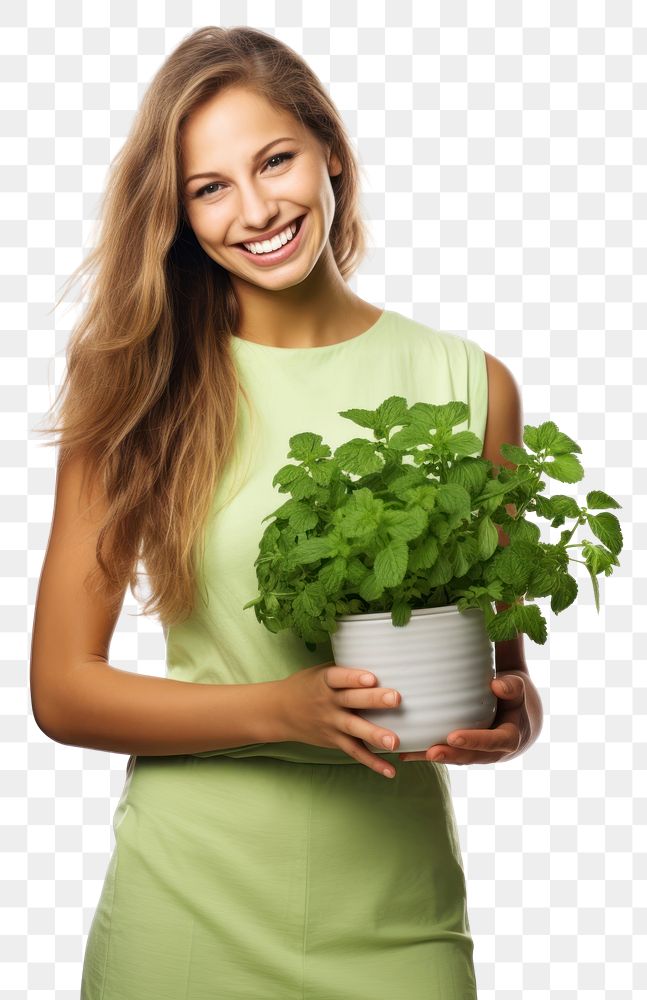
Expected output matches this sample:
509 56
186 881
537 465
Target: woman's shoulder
434 337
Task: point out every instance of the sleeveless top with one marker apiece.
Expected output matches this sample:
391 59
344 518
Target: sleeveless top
296 389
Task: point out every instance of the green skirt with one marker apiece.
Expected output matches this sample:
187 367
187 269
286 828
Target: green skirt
264 879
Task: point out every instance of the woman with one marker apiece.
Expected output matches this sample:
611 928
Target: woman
250 861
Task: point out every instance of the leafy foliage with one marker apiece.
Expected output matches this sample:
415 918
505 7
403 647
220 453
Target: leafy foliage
419 526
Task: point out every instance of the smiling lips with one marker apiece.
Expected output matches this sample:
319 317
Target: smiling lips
288 231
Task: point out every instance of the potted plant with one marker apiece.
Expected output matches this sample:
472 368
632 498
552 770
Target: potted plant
390 548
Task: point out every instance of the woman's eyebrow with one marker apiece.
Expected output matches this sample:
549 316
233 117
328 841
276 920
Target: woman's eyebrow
254 159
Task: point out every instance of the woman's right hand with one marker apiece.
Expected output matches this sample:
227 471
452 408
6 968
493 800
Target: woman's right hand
317 704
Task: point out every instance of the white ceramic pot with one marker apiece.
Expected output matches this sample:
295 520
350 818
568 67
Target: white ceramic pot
441 662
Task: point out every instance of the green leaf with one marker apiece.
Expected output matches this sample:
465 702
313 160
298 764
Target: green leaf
531 437
312 549
564 592
530 620
333 574
470 473
454 499
596 587
311 600
515 454
546 434
503 625
487 538
404 525
288 475
369 588
464 443
358 457
307 447
513 567
596 500
465 555
302 517
542 578
566 468
606 527
423 555
599 559
445 416
391 564
563 505
400 613
409 437
563 445
365 418
518 618
550 439
520 530
441 572
392 412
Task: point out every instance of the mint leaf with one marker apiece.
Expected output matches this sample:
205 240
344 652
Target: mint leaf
566 468
412 518
454 499
391 412
564 505
531 438
606 527
365 418
307 447
391 564
503 625
487 537
529 619
515 454
597 557
358 457
520 530
470 473
596 499
564 592
464 443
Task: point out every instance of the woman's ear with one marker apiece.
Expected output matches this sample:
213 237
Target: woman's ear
334 164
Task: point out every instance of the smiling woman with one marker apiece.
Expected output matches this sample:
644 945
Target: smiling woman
253 858
253 199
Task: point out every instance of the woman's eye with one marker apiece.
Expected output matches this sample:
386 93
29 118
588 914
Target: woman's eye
203 190
213 184
281 157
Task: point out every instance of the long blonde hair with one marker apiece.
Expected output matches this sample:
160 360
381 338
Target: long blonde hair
150 394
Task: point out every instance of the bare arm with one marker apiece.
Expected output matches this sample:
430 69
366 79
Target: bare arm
78 698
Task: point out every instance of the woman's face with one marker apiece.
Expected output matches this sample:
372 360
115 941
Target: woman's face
260 171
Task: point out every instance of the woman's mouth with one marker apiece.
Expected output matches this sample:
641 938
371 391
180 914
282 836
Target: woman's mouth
267 258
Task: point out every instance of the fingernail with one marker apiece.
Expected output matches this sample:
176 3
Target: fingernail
366 678
387 741
504 687
457 741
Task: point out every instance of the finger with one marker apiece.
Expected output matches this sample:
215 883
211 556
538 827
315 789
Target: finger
362 729
472 757
509 688
356 749
344 677
379 698
504 738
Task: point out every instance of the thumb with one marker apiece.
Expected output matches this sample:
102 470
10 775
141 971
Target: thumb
504 685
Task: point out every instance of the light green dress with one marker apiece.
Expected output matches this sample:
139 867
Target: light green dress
286 871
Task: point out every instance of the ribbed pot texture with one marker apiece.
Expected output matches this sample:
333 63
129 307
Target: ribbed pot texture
441 662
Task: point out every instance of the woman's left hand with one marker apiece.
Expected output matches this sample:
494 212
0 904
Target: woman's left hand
507 737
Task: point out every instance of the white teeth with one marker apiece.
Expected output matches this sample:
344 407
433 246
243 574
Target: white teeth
277 241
